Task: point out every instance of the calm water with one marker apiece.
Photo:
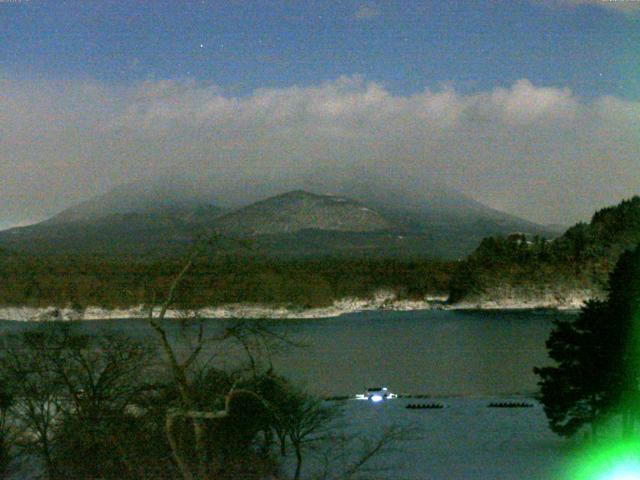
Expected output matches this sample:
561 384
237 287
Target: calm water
436 352
430 352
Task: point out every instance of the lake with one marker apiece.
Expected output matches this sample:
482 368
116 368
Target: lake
437 352
466 358
434 352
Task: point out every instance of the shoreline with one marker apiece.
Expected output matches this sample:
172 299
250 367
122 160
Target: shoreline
381 302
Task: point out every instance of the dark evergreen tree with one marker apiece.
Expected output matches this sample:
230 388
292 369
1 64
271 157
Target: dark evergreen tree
7 436
597 357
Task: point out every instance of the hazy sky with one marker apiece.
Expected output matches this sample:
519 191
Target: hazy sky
530 106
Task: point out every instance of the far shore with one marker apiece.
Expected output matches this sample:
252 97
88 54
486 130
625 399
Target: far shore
381 302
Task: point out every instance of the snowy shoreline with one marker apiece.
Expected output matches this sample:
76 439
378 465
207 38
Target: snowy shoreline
383 301
249 311
567 300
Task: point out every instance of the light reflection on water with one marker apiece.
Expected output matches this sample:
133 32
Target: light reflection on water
427 352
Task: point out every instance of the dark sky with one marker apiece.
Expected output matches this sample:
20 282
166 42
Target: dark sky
532 107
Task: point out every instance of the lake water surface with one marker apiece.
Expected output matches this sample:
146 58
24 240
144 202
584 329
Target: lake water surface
442 353
435 352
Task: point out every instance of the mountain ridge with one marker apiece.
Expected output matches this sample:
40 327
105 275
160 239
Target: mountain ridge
162 221
302 210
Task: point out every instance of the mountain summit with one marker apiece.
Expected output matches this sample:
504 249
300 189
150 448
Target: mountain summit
300 210
164 219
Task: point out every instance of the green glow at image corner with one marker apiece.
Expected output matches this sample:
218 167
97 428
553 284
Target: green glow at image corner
612 461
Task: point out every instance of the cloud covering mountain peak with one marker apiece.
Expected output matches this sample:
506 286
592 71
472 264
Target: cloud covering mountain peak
536 151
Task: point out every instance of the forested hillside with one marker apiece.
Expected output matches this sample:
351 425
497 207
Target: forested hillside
577 263
108 282
507 271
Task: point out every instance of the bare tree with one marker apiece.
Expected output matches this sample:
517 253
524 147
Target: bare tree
305 421
258 341
179 373
308 423
253 340
351 456
37 407
60 378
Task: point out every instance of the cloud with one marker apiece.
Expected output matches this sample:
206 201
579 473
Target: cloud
525 103
367 12
536 151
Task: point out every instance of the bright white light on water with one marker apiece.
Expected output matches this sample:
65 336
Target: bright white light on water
376 398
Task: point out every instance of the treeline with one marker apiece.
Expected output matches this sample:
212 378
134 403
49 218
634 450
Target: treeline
581 258
120 282
77 406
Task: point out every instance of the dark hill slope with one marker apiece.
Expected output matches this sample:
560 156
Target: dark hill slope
577 263
156 233
170 199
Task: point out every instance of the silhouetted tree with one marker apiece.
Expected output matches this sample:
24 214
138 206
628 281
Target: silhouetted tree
69 393
597 369
7 432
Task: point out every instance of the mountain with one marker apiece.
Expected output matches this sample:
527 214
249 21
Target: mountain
299 210
118 234
162 198
571 268
429 206
364 220
130 220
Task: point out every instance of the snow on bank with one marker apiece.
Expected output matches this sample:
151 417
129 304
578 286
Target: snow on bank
384 300
570 301
523 298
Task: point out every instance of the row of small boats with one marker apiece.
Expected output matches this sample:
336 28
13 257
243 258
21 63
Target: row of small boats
426 406
423 406
510 405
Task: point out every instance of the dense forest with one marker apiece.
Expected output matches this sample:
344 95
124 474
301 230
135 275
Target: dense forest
109 282
581 259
